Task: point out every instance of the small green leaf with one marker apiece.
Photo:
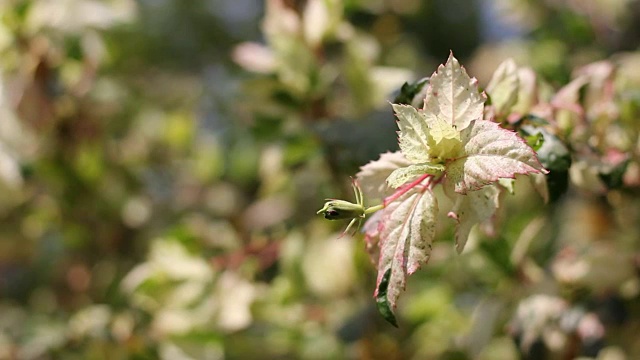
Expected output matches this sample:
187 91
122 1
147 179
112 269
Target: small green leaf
535 141
530 119
556 157
531 129
409 91
553 153
440 130
383 302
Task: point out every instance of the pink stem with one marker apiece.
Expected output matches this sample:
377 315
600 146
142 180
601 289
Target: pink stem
403 190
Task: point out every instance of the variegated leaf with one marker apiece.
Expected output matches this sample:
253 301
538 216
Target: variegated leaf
490 153
454 96
406 231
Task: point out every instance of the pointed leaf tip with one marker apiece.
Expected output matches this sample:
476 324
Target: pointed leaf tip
453 96
384 306
407 232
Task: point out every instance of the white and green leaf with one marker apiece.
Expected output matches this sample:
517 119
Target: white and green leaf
403 175
447 138
372 177
470 209
490 153
454 96
406 236
503 87
413 136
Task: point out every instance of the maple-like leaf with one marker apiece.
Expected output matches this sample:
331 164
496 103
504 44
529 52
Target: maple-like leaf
453 95
490 153
445 143
448 136
406 230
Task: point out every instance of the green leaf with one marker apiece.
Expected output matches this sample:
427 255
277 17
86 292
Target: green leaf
535 141
409 91
384 307
555 156
454 96
553 153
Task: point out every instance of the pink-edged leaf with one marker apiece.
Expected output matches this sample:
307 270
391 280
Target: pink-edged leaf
568 98
599 97
470 209
503 87
372 236
453 96
372 176
491 153
406 232
527 93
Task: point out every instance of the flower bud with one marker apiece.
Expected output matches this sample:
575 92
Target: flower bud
341 209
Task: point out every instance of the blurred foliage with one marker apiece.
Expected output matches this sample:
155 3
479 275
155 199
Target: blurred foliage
161 163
